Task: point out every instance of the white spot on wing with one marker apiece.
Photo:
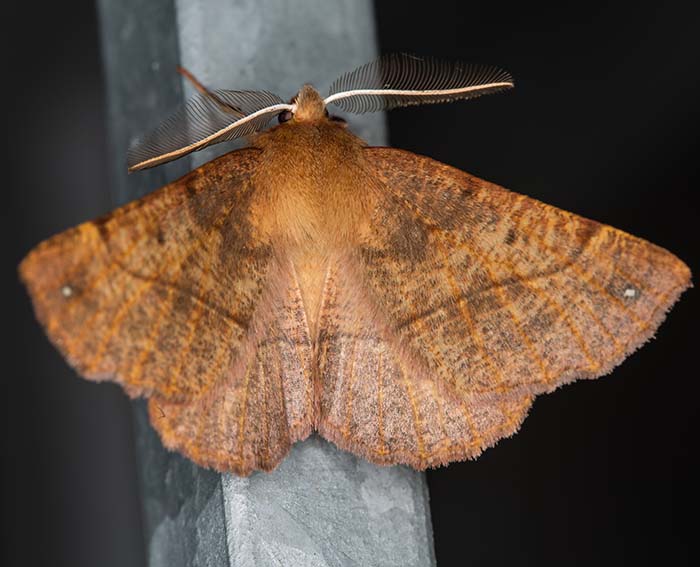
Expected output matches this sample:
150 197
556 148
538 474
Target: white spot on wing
630 292
66 291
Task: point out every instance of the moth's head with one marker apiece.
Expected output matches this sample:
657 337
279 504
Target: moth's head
308 105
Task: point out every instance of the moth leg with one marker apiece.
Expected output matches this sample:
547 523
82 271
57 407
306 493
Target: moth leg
199 87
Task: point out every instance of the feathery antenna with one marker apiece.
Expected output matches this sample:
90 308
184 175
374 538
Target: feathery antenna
208 118
400 79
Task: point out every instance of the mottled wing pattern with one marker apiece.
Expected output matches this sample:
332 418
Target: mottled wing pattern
378 399
248 419
479 299
158 294
178 297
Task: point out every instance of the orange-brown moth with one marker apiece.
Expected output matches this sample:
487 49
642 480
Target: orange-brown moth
405 310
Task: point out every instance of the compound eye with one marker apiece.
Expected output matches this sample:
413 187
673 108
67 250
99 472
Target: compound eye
285 116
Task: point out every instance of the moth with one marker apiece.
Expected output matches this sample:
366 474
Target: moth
406 311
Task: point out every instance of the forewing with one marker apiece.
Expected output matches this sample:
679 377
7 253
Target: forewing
485 298
159 294
181 298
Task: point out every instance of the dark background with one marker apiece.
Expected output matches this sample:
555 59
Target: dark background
602 122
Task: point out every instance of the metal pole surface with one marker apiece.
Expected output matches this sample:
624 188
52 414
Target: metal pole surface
322 506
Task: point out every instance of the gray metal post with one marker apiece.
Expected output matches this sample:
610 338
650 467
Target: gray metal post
322 506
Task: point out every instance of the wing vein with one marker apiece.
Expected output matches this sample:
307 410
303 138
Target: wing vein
244 403
414 413
464 309
115 325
